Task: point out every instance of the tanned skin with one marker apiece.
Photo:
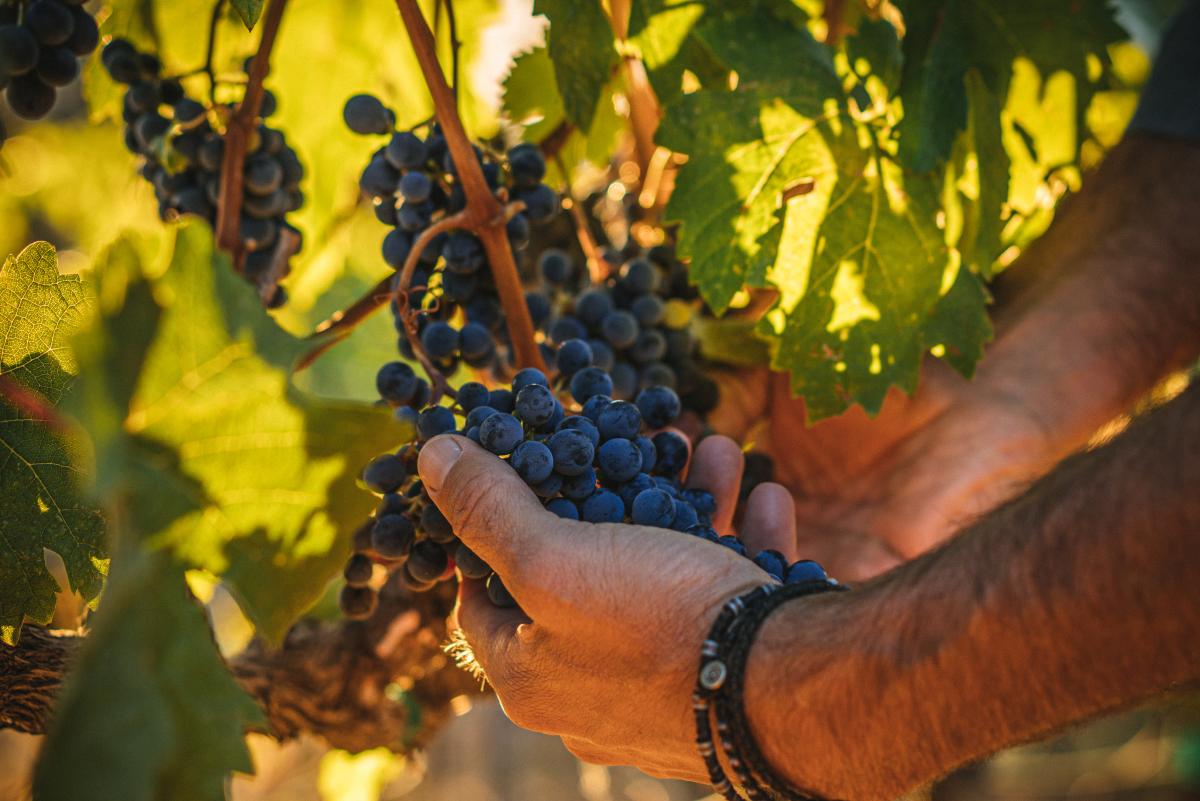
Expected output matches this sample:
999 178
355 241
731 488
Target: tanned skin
1062 592
1077 598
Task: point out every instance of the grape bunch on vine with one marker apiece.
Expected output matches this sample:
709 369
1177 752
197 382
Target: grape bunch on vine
257 305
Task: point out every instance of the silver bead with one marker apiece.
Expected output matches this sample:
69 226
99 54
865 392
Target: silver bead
713 674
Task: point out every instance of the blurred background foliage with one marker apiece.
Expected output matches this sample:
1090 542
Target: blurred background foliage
70 181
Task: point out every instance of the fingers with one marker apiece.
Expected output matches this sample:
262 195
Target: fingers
489 506
490 631
769 522
717 467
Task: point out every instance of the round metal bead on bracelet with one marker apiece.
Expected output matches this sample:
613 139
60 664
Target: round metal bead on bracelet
719 687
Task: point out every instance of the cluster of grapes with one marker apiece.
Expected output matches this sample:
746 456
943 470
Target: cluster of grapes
413 182
182 154
40 44
637 323
601 464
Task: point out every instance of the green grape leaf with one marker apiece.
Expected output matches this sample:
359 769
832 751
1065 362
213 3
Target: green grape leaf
786 188
877 46
746 149
580 44
278 467
531 99
959 326
877 262
249 11
40 506
149 712
944 39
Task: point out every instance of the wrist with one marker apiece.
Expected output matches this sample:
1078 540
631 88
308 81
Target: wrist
810 696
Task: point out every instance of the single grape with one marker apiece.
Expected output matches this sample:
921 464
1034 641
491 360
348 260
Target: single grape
647 309
532 460
57 66
563 508
550 487
463 253
406 151
581 486
396 245
538 304
358 570
649 455
653 507
805 570
500 433
619 420
357 603
392 503
589 382
472 395
439 339
592 306
620 328
773 562
475 341
638 276
415 187
672 453
541 203
733 544
435 525
685 516
573 355
385 474
527 165
392 536
501 400
535 405
555 266
498 594
572 451
50 22
659 406
565 328
30 97
379 179
434 420
527 377
619 460
427 561
469 563
365 114
602 506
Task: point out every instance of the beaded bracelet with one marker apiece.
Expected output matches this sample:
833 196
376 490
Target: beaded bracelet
719 690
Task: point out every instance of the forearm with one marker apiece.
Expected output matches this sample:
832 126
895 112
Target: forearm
1108 301
1078 597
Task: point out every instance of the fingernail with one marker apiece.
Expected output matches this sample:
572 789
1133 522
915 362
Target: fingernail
437 457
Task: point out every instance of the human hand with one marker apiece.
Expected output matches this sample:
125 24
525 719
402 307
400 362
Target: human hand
871 492
602 650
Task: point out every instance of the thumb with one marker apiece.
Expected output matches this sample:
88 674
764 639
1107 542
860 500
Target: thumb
488 505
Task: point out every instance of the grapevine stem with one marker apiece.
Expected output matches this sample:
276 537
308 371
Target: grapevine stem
339 326
454 45
587 243
644 112
835 13
210 50
237 135
32 404
484 215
